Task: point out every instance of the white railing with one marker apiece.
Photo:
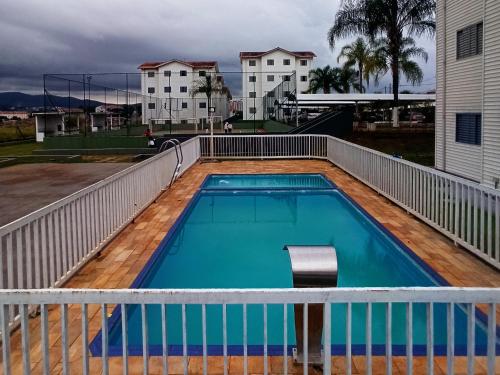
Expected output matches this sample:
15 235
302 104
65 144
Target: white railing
46 247
465 211
264 147
74 307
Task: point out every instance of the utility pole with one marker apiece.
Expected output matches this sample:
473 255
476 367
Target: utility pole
89 104
84 107
127 106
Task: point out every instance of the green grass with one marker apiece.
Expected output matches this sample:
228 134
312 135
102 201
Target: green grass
19 149
15 132
276 127
415 147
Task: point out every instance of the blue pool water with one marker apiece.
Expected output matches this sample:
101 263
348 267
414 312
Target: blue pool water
232 236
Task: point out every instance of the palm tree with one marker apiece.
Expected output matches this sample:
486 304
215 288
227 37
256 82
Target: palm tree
346 77
322 79
208 85
361 55
392 19
408 50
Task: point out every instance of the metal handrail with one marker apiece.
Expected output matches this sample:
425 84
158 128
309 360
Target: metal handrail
179 144
179 155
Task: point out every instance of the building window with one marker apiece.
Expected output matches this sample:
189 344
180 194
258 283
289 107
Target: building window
270 94
252 94
151 105
270 78
286 78
286 94
219 78
151 90
252 63
252 79
468 128
167 73
303 62
151 74
184 89
202 73
252 110
270 62
184 122
167 89
202 105
303 78
286 61
470 41
184 105
183 73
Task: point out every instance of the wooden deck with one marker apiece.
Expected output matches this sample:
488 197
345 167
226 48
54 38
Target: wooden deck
126 255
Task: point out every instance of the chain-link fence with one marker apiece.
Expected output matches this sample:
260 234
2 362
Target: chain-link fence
167 102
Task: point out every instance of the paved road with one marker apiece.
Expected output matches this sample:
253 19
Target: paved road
27 187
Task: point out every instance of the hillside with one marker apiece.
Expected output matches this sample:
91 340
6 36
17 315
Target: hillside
21 100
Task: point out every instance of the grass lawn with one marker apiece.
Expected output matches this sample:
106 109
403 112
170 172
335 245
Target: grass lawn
19 149
415 147
17 130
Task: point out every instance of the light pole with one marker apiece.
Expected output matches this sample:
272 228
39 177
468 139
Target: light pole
211 110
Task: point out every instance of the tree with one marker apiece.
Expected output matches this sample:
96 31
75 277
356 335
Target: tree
408 50
322 79
339 79
208 85
394 20
361 55
346 77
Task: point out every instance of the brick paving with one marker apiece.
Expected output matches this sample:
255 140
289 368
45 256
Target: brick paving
126 255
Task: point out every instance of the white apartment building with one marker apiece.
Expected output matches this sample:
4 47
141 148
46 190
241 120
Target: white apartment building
468 89
167 86
264 71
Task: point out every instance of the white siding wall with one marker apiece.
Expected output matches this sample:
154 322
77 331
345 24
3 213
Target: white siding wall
491 117
460 89
440 145
463 89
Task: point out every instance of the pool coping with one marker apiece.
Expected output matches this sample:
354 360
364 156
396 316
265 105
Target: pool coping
95 345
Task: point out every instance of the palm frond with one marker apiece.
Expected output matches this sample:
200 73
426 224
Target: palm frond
349 20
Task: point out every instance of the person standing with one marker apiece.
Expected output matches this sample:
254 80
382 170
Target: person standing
229 128
226 127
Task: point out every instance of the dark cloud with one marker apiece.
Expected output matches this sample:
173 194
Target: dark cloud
71 36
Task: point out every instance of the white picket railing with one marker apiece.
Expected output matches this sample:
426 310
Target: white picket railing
74 306
264 147
46 247
465 211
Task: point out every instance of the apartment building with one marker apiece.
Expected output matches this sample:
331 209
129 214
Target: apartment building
468 89
167 92
264 71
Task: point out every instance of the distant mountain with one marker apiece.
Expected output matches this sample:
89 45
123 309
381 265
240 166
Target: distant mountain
21 100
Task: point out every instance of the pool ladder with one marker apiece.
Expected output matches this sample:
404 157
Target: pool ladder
178 153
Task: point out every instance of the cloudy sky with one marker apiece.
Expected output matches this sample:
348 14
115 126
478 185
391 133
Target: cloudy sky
75 36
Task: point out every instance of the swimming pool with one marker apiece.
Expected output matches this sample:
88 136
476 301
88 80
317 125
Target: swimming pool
232 234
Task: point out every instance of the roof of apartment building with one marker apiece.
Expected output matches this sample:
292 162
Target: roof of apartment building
193 64
247 55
